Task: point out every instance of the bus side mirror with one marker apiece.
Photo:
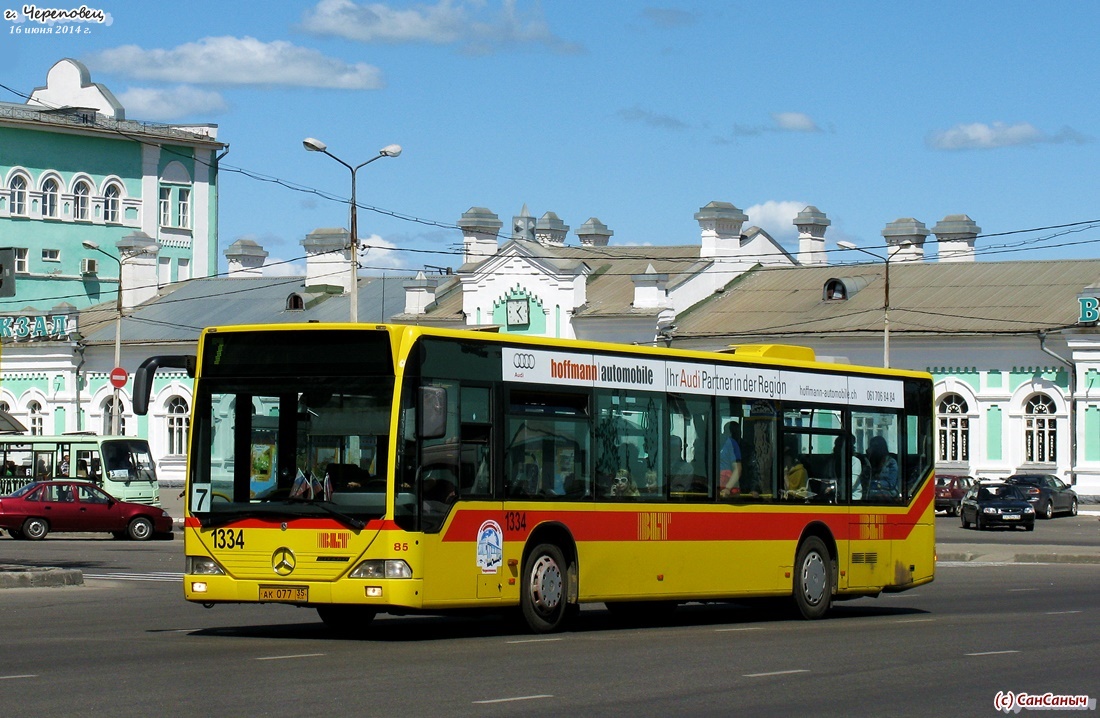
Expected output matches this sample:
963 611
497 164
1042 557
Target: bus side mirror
143 378
432 412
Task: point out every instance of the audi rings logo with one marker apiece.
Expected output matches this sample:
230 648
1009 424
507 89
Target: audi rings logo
523 361
283 561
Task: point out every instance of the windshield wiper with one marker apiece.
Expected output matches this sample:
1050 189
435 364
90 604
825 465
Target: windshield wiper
212 520
325 506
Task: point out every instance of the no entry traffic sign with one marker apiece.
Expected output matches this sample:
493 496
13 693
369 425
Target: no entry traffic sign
119 377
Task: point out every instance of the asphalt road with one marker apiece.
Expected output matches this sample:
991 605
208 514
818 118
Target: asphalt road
127 644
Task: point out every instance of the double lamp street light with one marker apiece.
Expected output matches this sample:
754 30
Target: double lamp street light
315 145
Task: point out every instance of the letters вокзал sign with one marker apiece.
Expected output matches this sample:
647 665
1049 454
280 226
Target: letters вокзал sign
39 326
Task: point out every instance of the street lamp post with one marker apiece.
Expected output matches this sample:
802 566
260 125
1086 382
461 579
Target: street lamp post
315 145
885 298
115 411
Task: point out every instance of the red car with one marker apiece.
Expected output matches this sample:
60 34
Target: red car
950 491
44 506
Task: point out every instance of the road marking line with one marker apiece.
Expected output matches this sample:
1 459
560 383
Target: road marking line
916 620
534 640
27 675
775 673
1021 590
1060 613
990 653
747 628
510 700
283 658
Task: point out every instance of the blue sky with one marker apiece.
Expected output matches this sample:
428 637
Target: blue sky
635 113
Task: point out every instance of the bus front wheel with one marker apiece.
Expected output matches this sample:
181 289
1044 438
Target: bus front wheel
813 578
545 591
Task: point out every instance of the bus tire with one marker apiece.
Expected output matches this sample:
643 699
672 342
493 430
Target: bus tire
345 619
545 589
140 529
813 578
35 528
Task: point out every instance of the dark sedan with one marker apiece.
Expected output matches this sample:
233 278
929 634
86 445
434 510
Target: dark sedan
996 505
44 506
1048 494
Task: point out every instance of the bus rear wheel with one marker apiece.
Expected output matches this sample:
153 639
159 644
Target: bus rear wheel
351 620
545 591
813 578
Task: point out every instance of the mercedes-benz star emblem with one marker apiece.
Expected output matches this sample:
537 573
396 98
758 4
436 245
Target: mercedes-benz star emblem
283 561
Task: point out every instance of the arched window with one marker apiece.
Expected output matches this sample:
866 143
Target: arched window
4 407
38 418
110 203
1040 430
108 416
954 429
295 303
18 189
80 200
178 422
50 195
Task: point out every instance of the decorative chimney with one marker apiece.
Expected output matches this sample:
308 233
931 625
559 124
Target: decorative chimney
523 225
905 239
419 293
811 223
246 258
480 228
328 251
650 289
139 283
720 229
550 230
956 234
594 233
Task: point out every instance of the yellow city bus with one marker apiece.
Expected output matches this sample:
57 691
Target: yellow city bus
360 469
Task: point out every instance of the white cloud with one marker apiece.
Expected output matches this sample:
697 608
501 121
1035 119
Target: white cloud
446 23
238 61
794 122
776 218
172 103
980 136
276 267
379 254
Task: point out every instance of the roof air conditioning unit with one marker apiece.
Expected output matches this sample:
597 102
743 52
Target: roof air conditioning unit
89 266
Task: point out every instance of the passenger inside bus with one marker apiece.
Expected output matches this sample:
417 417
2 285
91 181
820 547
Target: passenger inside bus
623 485
794 471
884 470
730 460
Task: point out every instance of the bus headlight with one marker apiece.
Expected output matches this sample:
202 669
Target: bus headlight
378 568
204 566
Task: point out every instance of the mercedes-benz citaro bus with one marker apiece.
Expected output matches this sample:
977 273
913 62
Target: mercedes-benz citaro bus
121 465
361 469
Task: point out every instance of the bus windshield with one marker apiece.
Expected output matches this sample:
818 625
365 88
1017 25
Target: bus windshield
277 444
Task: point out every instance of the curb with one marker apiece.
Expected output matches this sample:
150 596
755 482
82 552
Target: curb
39 576
969 557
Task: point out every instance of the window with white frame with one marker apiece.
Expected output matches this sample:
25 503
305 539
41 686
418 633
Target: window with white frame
1040 430
51 255
51 193
108 416
183 209
954 429
21 265
37 418
165 206
110 203
178 423
18 189
80 200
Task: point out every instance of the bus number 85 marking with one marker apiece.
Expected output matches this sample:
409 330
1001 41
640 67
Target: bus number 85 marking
228 538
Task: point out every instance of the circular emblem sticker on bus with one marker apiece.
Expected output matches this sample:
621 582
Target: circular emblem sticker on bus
490 547
282 561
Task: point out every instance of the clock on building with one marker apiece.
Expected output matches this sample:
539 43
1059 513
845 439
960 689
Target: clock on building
517 312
